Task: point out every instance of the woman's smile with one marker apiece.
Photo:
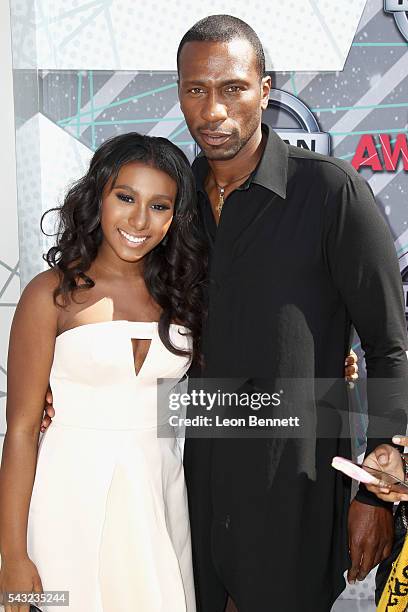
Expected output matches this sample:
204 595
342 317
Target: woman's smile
131 239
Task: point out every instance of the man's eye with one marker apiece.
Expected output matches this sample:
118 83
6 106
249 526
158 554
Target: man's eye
160 207
233 88
125 198
196 90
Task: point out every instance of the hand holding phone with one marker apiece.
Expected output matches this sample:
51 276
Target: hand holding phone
370 476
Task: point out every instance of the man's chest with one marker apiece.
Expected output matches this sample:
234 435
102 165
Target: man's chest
262 239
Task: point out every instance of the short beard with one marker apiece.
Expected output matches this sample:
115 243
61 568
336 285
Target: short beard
227 154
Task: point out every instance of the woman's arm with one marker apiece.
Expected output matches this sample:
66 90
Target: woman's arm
31 351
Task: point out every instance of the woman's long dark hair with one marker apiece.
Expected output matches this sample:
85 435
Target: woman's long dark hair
175 271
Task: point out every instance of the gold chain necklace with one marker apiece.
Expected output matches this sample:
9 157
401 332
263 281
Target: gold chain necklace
221 190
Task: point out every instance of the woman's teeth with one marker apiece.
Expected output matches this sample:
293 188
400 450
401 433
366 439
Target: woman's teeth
131 238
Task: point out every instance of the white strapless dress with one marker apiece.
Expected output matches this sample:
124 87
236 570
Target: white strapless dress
108 518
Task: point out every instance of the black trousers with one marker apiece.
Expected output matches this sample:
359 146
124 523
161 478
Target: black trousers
272 549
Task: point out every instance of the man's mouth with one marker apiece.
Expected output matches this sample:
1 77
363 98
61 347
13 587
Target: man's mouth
134 240
214 138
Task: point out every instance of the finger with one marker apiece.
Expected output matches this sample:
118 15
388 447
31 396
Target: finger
383 490
367 563
356 558
351 357
386 553
385 494
383 454
48 396
50 411
383 486
45 422
389 497
379 556
376 489
402 440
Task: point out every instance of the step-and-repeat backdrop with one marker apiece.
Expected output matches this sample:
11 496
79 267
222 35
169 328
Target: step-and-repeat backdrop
87 70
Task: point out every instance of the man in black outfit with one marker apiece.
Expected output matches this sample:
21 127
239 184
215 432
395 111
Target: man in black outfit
299 252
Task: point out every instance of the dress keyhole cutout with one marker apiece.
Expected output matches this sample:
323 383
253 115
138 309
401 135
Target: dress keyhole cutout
140 348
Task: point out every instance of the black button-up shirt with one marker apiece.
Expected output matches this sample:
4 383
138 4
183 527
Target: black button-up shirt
300 254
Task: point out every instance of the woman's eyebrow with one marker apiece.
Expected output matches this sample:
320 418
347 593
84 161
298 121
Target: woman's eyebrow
156 195
124 187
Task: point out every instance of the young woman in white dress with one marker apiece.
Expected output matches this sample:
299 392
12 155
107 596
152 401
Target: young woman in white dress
98 508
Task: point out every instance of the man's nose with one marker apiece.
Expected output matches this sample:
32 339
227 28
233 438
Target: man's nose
214 110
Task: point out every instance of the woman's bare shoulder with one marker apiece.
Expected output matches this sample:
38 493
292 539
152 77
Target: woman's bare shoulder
43 284
39 294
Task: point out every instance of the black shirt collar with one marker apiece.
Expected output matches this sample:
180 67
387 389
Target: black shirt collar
271 172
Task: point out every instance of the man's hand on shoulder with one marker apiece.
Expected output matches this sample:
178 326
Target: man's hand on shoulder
371 535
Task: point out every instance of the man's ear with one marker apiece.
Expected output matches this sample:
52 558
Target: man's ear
178 93
266 85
